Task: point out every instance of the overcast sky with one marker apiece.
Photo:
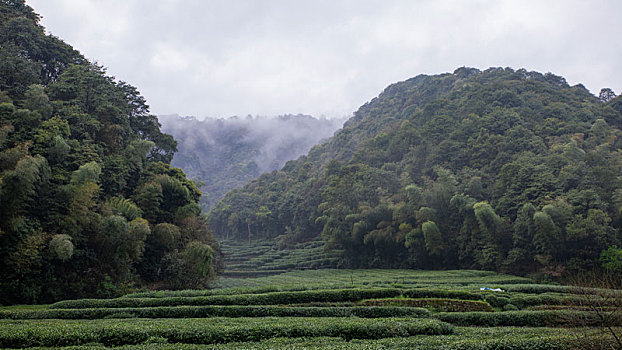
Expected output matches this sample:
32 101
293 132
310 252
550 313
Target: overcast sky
268 57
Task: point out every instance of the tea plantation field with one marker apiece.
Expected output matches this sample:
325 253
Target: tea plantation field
263 257
326 309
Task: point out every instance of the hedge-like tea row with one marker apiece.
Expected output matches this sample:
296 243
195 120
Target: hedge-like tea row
253 273
551 288
217 311
55 333
208 292
464 338
523 301
275 298
442 293
446 305
522 318
409 293
495 319
445 342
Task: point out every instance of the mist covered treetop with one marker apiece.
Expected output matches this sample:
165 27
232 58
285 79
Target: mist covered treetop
226 153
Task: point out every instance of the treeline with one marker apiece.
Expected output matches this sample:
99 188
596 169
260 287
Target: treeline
224 154
501 170
89 205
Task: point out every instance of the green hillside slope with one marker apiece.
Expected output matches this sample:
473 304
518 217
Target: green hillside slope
497 169
89 204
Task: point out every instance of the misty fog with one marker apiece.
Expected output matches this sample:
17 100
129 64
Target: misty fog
224 154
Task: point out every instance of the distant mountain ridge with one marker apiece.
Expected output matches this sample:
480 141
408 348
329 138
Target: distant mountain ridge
226 153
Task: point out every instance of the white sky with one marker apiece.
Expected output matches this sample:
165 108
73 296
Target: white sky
327 57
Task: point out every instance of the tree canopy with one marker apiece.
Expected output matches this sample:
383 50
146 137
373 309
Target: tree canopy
499 169
89 204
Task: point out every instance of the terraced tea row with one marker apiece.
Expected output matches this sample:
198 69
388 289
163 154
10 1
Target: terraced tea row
463 338
411 293
388 296
275 298
261 257
344 278
218 311
16 334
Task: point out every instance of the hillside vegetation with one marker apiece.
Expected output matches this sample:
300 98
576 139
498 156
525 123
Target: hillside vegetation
89 205
225 154
502 169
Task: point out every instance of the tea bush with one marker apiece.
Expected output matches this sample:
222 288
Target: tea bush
442 293
544 318
446 305
218 311
273 298
56 333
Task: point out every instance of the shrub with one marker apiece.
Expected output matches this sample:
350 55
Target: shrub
58 333
509 307
519 318
410 293
497 301
550 288
218 311
496 319
61 247
446 305
274 298
442 293
524 301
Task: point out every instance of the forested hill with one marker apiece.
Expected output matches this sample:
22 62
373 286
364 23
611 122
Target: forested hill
497 169
89 204
224 154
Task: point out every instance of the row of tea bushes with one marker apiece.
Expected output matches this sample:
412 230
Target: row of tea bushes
405 279
251 273
292 263
217 311
551 288
274 298
260 296
208 292
444 305
409 293
56 333
545 318
244 258
524 301
442 293
466 338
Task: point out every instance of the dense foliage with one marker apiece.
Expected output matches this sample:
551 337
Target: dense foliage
502 170
225 154
88 201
